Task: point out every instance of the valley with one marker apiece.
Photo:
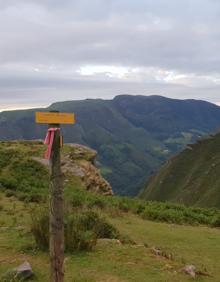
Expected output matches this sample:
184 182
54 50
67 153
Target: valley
133 135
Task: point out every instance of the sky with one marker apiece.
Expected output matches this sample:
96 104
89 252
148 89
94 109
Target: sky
52 50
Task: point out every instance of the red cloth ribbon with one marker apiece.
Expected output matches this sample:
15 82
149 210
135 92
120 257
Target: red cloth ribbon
49 140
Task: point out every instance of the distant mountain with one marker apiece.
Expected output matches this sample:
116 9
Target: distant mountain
133 135
191 178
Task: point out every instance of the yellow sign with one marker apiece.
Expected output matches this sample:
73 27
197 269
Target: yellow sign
54 118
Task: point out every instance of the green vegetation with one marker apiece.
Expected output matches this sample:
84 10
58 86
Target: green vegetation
82 229
28 180
164 212
20 174
133 135
110 260
109 238
192 177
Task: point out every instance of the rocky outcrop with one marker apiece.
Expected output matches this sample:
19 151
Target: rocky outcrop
79 161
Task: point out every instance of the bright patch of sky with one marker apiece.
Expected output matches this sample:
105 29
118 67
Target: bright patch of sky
109 71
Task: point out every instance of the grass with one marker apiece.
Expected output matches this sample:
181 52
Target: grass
188 244
191 177
82 228
110 261
183 234
28 180
156 211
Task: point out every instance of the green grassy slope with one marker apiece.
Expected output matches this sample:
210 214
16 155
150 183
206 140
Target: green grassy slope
22 175
192 177
110 261
133 135
184 235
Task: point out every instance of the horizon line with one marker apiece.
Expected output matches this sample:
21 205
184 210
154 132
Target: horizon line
37 106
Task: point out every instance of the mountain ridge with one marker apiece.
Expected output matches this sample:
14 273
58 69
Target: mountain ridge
133 135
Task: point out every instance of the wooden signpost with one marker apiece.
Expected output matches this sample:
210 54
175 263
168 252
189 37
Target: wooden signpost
56 225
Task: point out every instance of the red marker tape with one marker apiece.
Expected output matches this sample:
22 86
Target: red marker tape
49 140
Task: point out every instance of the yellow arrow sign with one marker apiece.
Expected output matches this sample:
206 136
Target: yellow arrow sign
54 118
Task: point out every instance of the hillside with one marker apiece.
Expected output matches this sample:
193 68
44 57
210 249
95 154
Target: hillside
133 135
25 173
113 261
137 240
192 177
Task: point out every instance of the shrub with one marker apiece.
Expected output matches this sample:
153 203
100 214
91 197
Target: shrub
178 214
97 202
123 206
26 177
8 182
40 229
78 237
216 222
77 200
82 229
140 208
103 229
22 196
2 223
33 196
9 193
36 198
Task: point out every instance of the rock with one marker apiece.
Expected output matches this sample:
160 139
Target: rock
159 253
82 152
80 162
93 179
22 272
156 251
108 241
190 270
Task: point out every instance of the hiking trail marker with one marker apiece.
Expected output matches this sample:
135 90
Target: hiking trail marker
56 226
54 118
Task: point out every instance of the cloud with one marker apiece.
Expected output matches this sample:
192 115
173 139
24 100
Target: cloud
103 48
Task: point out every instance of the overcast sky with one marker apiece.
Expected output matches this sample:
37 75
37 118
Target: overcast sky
54 50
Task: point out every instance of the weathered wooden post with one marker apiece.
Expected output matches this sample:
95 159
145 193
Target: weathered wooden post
56 227
56 213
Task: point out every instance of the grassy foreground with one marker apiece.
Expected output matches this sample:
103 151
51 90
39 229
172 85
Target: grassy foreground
183 234
110 260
